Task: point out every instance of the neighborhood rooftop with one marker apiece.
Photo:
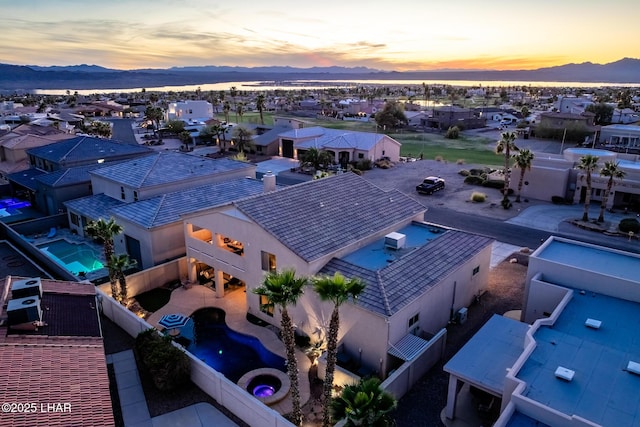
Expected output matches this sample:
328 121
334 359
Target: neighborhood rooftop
392 287
95 206
344 209
333 138
167 167
84 148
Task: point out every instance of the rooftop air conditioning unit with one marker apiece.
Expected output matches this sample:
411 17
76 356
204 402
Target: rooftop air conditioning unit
24 310
395 240
26 288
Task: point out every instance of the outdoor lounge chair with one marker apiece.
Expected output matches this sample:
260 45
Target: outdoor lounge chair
52 233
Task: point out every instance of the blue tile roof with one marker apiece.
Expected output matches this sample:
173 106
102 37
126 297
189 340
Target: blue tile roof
94 207
26 178
68 176
391 288
166 209
168 167
317 218
334 139
86 148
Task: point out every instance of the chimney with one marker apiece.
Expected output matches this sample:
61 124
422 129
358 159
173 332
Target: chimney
269 182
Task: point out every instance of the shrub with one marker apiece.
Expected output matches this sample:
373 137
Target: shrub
460 162
364 164
168 366
356 171
629 224
452 133
463 172
492 183
439 158
478 197
480 171
473 180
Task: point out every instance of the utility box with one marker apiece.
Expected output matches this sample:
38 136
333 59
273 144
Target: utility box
461 317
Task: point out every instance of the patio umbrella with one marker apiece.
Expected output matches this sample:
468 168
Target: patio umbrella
173 321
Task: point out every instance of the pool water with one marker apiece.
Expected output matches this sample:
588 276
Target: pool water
74 257
231 353
10 206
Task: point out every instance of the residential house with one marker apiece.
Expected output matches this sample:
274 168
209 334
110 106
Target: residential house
572 104
344 224
445 117
345 146
625 116
621 138
52 349
68 163
189 110
148 194
14 146
583 121
574 359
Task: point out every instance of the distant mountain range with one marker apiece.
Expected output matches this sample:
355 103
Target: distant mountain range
28 78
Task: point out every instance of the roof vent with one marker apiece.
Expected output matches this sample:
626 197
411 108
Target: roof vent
633 367
564 373
395 240
593 323
24 310
26 288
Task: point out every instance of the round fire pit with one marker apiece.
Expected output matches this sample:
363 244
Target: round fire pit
266 384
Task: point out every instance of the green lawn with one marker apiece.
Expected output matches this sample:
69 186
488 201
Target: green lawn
472 150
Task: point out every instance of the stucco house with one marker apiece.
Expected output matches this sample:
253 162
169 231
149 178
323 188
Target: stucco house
147 196
574 360
417 275
189 110
345 146
14 146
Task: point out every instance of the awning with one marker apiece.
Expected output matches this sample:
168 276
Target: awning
408 347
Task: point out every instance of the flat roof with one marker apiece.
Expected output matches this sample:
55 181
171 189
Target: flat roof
590 258
601 390
485 358
518 419
376 255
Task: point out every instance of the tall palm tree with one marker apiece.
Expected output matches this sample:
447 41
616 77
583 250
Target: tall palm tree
523 161
243 138
505 146
105 231
226 107
283 289
612 171
233 92
239 111
364 404
118 264
338 290
588 163
261 104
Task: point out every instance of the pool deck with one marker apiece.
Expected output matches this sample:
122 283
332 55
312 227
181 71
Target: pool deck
186 301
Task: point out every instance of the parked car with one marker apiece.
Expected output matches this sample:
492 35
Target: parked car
430 185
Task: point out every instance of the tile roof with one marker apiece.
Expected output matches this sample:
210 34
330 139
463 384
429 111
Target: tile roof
54 368
68 176
86 148
269 136
167 167
391 288
32 129
344 140
309 132
167 208
95 206
317 218
26 178
24 142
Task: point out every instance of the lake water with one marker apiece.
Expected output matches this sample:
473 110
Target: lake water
261 85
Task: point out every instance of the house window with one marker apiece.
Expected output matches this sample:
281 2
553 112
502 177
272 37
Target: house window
75 220
230 245
414 326
265 306
122 195
135 196
476 270
268 261
414 319
361 155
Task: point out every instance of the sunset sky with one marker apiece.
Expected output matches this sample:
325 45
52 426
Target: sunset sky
388 35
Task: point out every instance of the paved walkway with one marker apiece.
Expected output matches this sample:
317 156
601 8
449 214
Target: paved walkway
133 403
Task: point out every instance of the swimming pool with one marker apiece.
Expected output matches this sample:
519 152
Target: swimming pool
9 206
231 353
74 257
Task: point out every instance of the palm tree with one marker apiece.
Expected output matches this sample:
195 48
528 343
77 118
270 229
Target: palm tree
523 160
233 92
612 171
338 290
364 404
243 138
283 289
239 111
588 163
505 145
261 105
105 231
226 107
154 114
118 264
